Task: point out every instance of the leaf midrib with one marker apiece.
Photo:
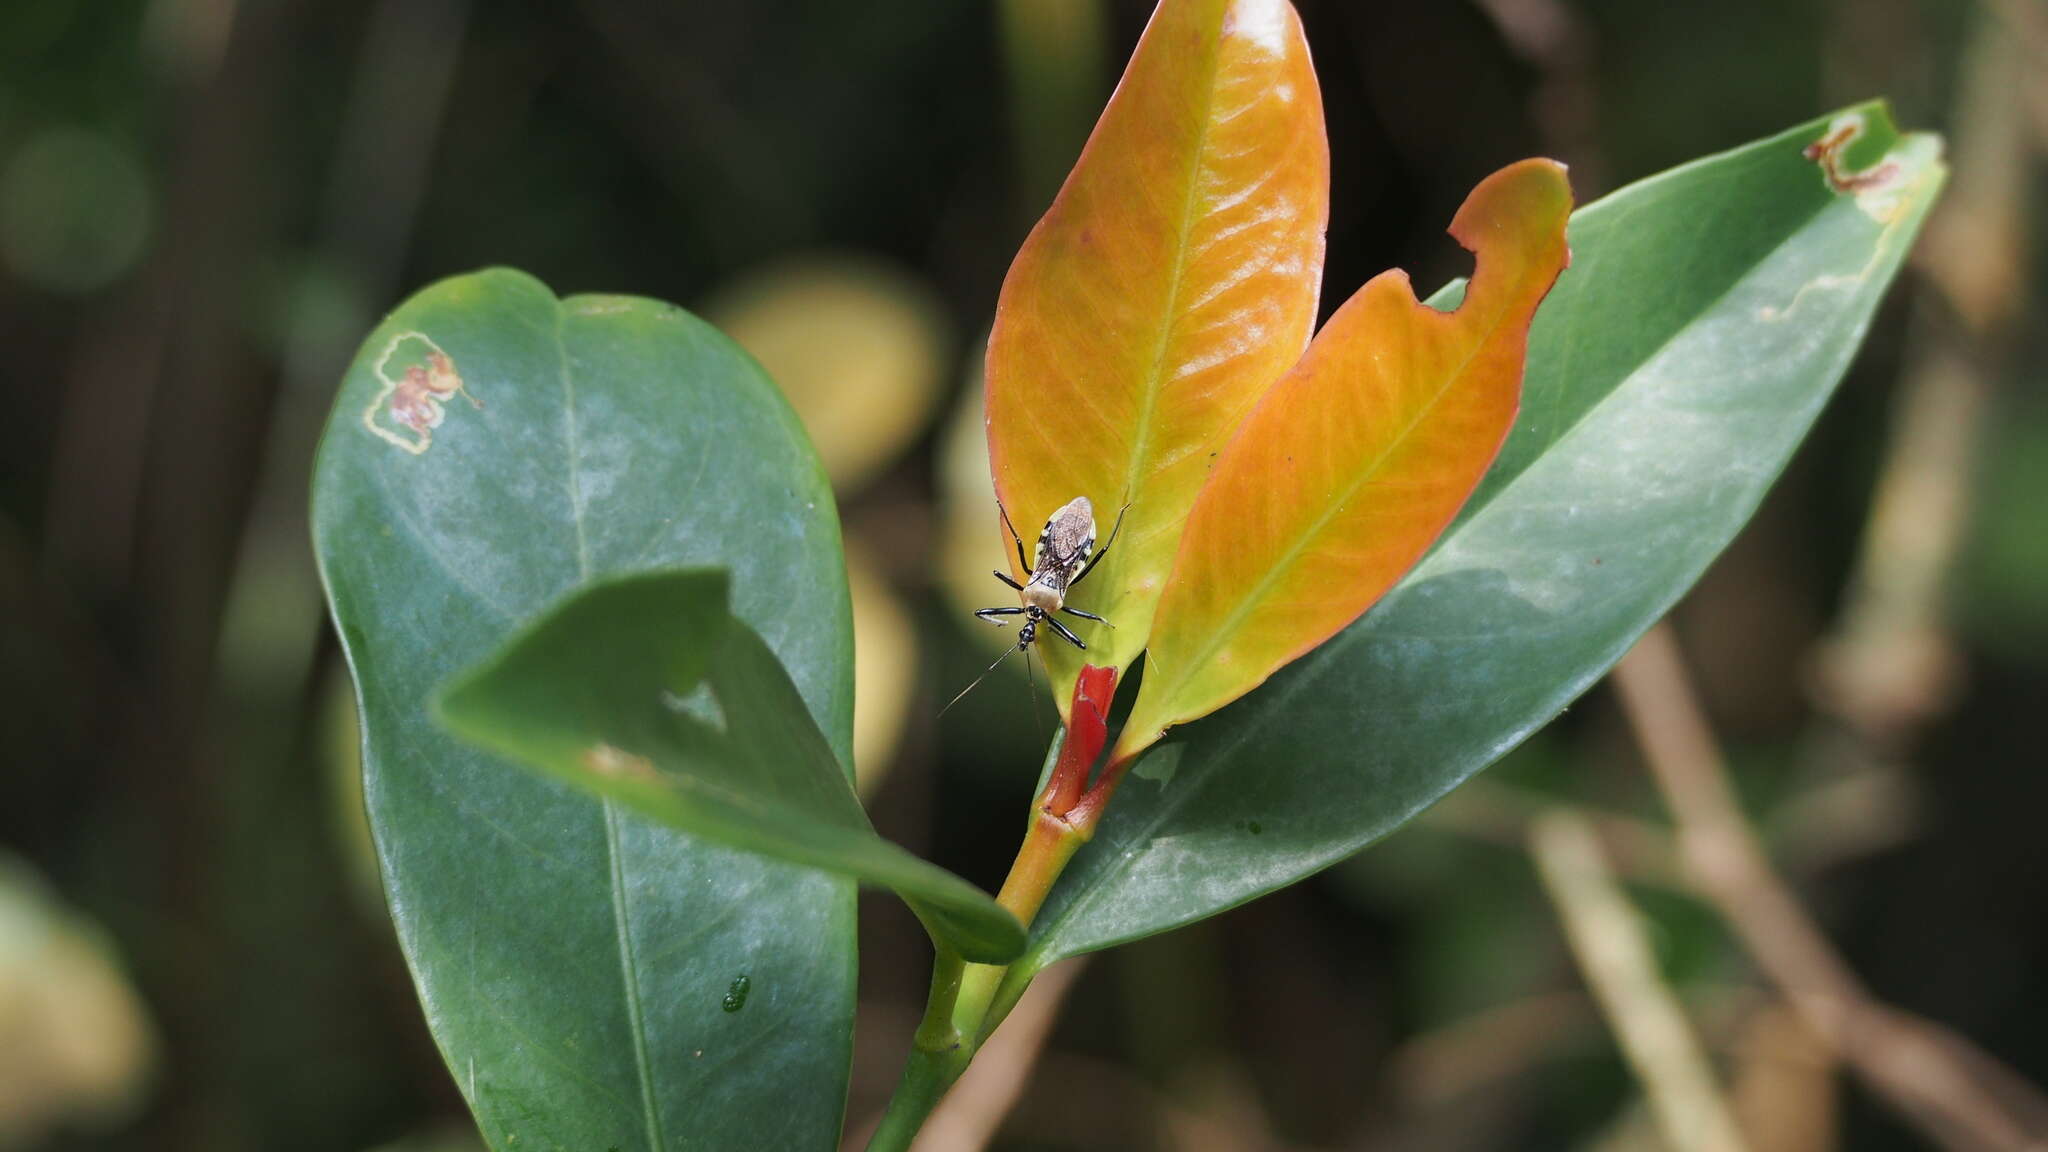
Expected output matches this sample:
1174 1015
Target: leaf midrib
1141 443
622 925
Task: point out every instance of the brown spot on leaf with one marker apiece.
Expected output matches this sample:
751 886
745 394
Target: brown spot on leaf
407 409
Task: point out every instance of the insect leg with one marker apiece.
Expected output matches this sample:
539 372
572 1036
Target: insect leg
1086 616
1023 561
1097 558
990 614
1069 637
1005 578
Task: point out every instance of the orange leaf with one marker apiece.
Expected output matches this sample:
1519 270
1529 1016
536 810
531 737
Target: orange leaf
1352 465
1171 283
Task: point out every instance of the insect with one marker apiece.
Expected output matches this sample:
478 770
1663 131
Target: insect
1064 557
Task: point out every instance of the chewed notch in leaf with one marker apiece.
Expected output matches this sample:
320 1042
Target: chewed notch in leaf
1354 463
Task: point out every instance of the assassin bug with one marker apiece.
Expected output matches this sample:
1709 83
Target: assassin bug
1064 557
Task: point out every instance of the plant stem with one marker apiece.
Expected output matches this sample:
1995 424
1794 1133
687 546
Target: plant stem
925 1080
1051 842
956 1013
967 1001
938 1054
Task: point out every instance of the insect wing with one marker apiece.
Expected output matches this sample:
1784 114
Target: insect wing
1064 545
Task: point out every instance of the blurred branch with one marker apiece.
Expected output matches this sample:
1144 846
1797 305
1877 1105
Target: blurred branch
1124 1110
1843 817
1823 823
1958 1096
1889 668
1442 1066
2026 22
1621 969
1784 1084
1500 814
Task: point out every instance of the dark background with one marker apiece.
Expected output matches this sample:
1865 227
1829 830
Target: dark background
204 204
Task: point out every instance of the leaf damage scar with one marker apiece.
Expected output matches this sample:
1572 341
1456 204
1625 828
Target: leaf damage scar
617 764
1831 153
409 406
1881 191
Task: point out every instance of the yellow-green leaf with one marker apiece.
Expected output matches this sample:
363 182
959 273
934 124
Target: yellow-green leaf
1354 463
1171 283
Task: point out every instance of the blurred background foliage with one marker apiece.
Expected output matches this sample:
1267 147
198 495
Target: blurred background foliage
205 203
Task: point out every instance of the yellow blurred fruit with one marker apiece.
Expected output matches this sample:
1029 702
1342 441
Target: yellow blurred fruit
884 669
76 1046
858 348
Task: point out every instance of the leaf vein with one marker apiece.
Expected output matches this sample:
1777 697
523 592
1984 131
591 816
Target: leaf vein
622 921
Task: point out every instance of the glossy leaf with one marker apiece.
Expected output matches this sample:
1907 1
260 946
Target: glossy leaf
1171 283
1706 317
1353 464
571 957
603 693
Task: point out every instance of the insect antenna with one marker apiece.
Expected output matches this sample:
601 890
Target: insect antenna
1007 653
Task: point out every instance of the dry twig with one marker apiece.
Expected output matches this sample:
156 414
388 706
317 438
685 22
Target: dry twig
1621 968
1954 1092
1890 668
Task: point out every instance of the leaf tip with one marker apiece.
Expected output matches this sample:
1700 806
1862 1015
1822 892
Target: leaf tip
1532 193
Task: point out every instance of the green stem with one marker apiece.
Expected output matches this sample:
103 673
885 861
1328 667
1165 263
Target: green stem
925 1080
956 1013
968 1001
938 1054
1009 989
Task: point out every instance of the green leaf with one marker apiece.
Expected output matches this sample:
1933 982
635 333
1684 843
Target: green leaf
1706 316
572 958
603 693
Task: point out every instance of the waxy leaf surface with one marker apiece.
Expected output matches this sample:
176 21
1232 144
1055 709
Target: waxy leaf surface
572 958
1172 282
603 693
1706 317
1354 462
